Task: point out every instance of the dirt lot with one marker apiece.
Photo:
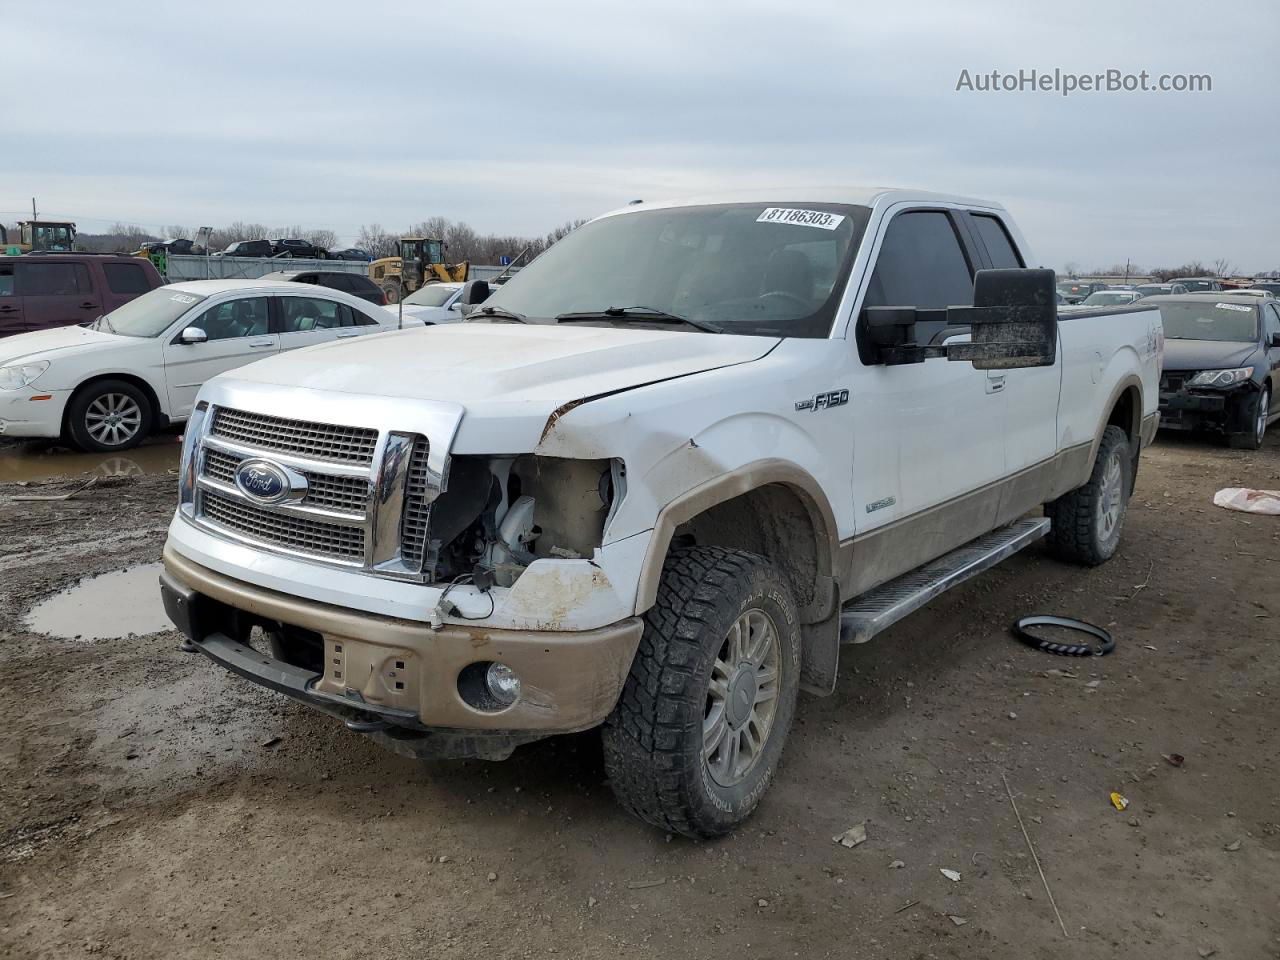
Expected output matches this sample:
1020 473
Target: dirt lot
152 805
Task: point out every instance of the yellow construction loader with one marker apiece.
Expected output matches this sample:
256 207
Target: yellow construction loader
421 261
40 236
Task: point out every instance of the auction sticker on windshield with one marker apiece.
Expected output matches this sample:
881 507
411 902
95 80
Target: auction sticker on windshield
183 298
804 218
1238 307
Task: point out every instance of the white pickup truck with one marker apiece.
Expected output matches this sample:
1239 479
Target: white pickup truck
655 481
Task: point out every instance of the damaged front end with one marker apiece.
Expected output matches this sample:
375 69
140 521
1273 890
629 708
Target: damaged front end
497 515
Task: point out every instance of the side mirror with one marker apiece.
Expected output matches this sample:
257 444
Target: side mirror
1275 339
456 305
474 293
1014 321
193 335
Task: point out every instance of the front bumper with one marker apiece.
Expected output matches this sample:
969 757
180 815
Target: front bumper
398 679
31 412
1192 409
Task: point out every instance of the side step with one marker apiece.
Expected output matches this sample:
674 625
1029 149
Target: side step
884 606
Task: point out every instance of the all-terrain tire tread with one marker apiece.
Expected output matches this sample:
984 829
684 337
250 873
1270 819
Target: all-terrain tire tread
1072 534
642 736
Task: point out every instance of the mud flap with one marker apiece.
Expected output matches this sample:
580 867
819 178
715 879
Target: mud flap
820 647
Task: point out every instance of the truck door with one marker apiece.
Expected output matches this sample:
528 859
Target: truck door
1030 393
929 437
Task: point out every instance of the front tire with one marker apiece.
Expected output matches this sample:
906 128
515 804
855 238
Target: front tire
697 733
109 416
1257 415
1088 520
392 292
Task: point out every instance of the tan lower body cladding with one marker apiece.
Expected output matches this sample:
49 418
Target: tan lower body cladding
569 681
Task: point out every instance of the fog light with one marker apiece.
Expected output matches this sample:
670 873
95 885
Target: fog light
503 684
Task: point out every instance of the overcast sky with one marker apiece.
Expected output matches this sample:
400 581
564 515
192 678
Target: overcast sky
516 117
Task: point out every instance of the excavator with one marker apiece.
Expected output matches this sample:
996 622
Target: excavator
40 236
421 261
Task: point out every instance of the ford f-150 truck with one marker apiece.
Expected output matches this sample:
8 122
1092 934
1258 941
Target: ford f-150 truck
655 481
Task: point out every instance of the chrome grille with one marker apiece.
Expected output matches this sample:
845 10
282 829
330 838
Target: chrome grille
317 537
417 508
349 494
321 441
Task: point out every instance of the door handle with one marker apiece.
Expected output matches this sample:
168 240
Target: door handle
994 384
344 336
88 306
8 309
262 343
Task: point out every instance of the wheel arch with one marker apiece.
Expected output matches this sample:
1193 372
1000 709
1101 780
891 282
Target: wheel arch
161 416
778 510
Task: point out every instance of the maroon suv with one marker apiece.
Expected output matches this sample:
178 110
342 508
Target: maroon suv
43 290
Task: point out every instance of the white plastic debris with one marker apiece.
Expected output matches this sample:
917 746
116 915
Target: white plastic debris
1249 501
853 836
952 875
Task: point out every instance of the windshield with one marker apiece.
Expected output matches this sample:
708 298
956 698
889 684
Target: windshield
749 268
150 314
1194 285
431 295
1108 299
1151 288
1210 321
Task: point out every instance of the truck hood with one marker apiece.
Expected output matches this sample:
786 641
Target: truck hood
58 342
1206 354
509 378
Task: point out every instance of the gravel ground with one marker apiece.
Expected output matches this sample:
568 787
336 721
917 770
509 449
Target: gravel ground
152 805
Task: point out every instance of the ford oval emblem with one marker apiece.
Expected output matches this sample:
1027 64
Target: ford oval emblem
264 481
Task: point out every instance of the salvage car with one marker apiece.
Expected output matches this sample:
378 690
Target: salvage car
356 284
1075 291
653 481
1160 289
1199 284
432 303
1221 365
1111 298
247 248
43 291
108 384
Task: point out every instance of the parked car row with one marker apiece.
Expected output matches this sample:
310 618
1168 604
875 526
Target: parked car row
107 384
1097 293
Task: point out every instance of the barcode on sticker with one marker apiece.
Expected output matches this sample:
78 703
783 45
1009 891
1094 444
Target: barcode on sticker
804 218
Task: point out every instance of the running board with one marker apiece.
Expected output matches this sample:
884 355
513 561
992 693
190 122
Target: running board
884 606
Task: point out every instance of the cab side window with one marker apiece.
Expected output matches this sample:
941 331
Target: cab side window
1270 324
6 280
247 317
997 241
921 264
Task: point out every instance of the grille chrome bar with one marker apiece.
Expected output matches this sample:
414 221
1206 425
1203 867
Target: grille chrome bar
343 494
312 537
300 463
281 434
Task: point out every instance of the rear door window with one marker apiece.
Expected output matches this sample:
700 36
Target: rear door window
53 279
997 241
126 278
6 280
300 314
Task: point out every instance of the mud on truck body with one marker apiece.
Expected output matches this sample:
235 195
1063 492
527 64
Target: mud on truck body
656 481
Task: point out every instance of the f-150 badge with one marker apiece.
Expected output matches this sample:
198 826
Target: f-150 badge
824 401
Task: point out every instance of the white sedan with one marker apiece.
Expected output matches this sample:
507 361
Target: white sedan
106 385
431 303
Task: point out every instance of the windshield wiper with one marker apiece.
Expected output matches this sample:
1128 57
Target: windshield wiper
639 315
504 314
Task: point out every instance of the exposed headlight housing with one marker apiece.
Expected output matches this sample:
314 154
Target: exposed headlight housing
1220 378
18 375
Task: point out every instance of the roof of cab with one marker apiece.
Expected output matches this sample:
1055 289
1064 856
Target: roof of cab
852 195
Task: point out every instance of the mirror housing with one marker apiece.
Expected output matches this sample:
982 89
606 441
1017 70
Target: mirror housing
1014 321
192 335
474 293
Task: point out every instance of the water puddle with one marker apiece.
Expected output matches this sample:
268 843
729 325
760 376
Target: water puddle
107 607
28 462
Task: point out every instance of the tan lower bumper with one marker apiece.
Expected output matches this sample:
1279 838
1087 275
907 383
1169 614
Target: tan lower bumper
569 681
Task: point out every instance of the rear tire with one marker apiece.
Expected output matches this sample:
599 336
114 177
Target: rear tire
1087 521
1257 414
696 736
392 292
109 416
